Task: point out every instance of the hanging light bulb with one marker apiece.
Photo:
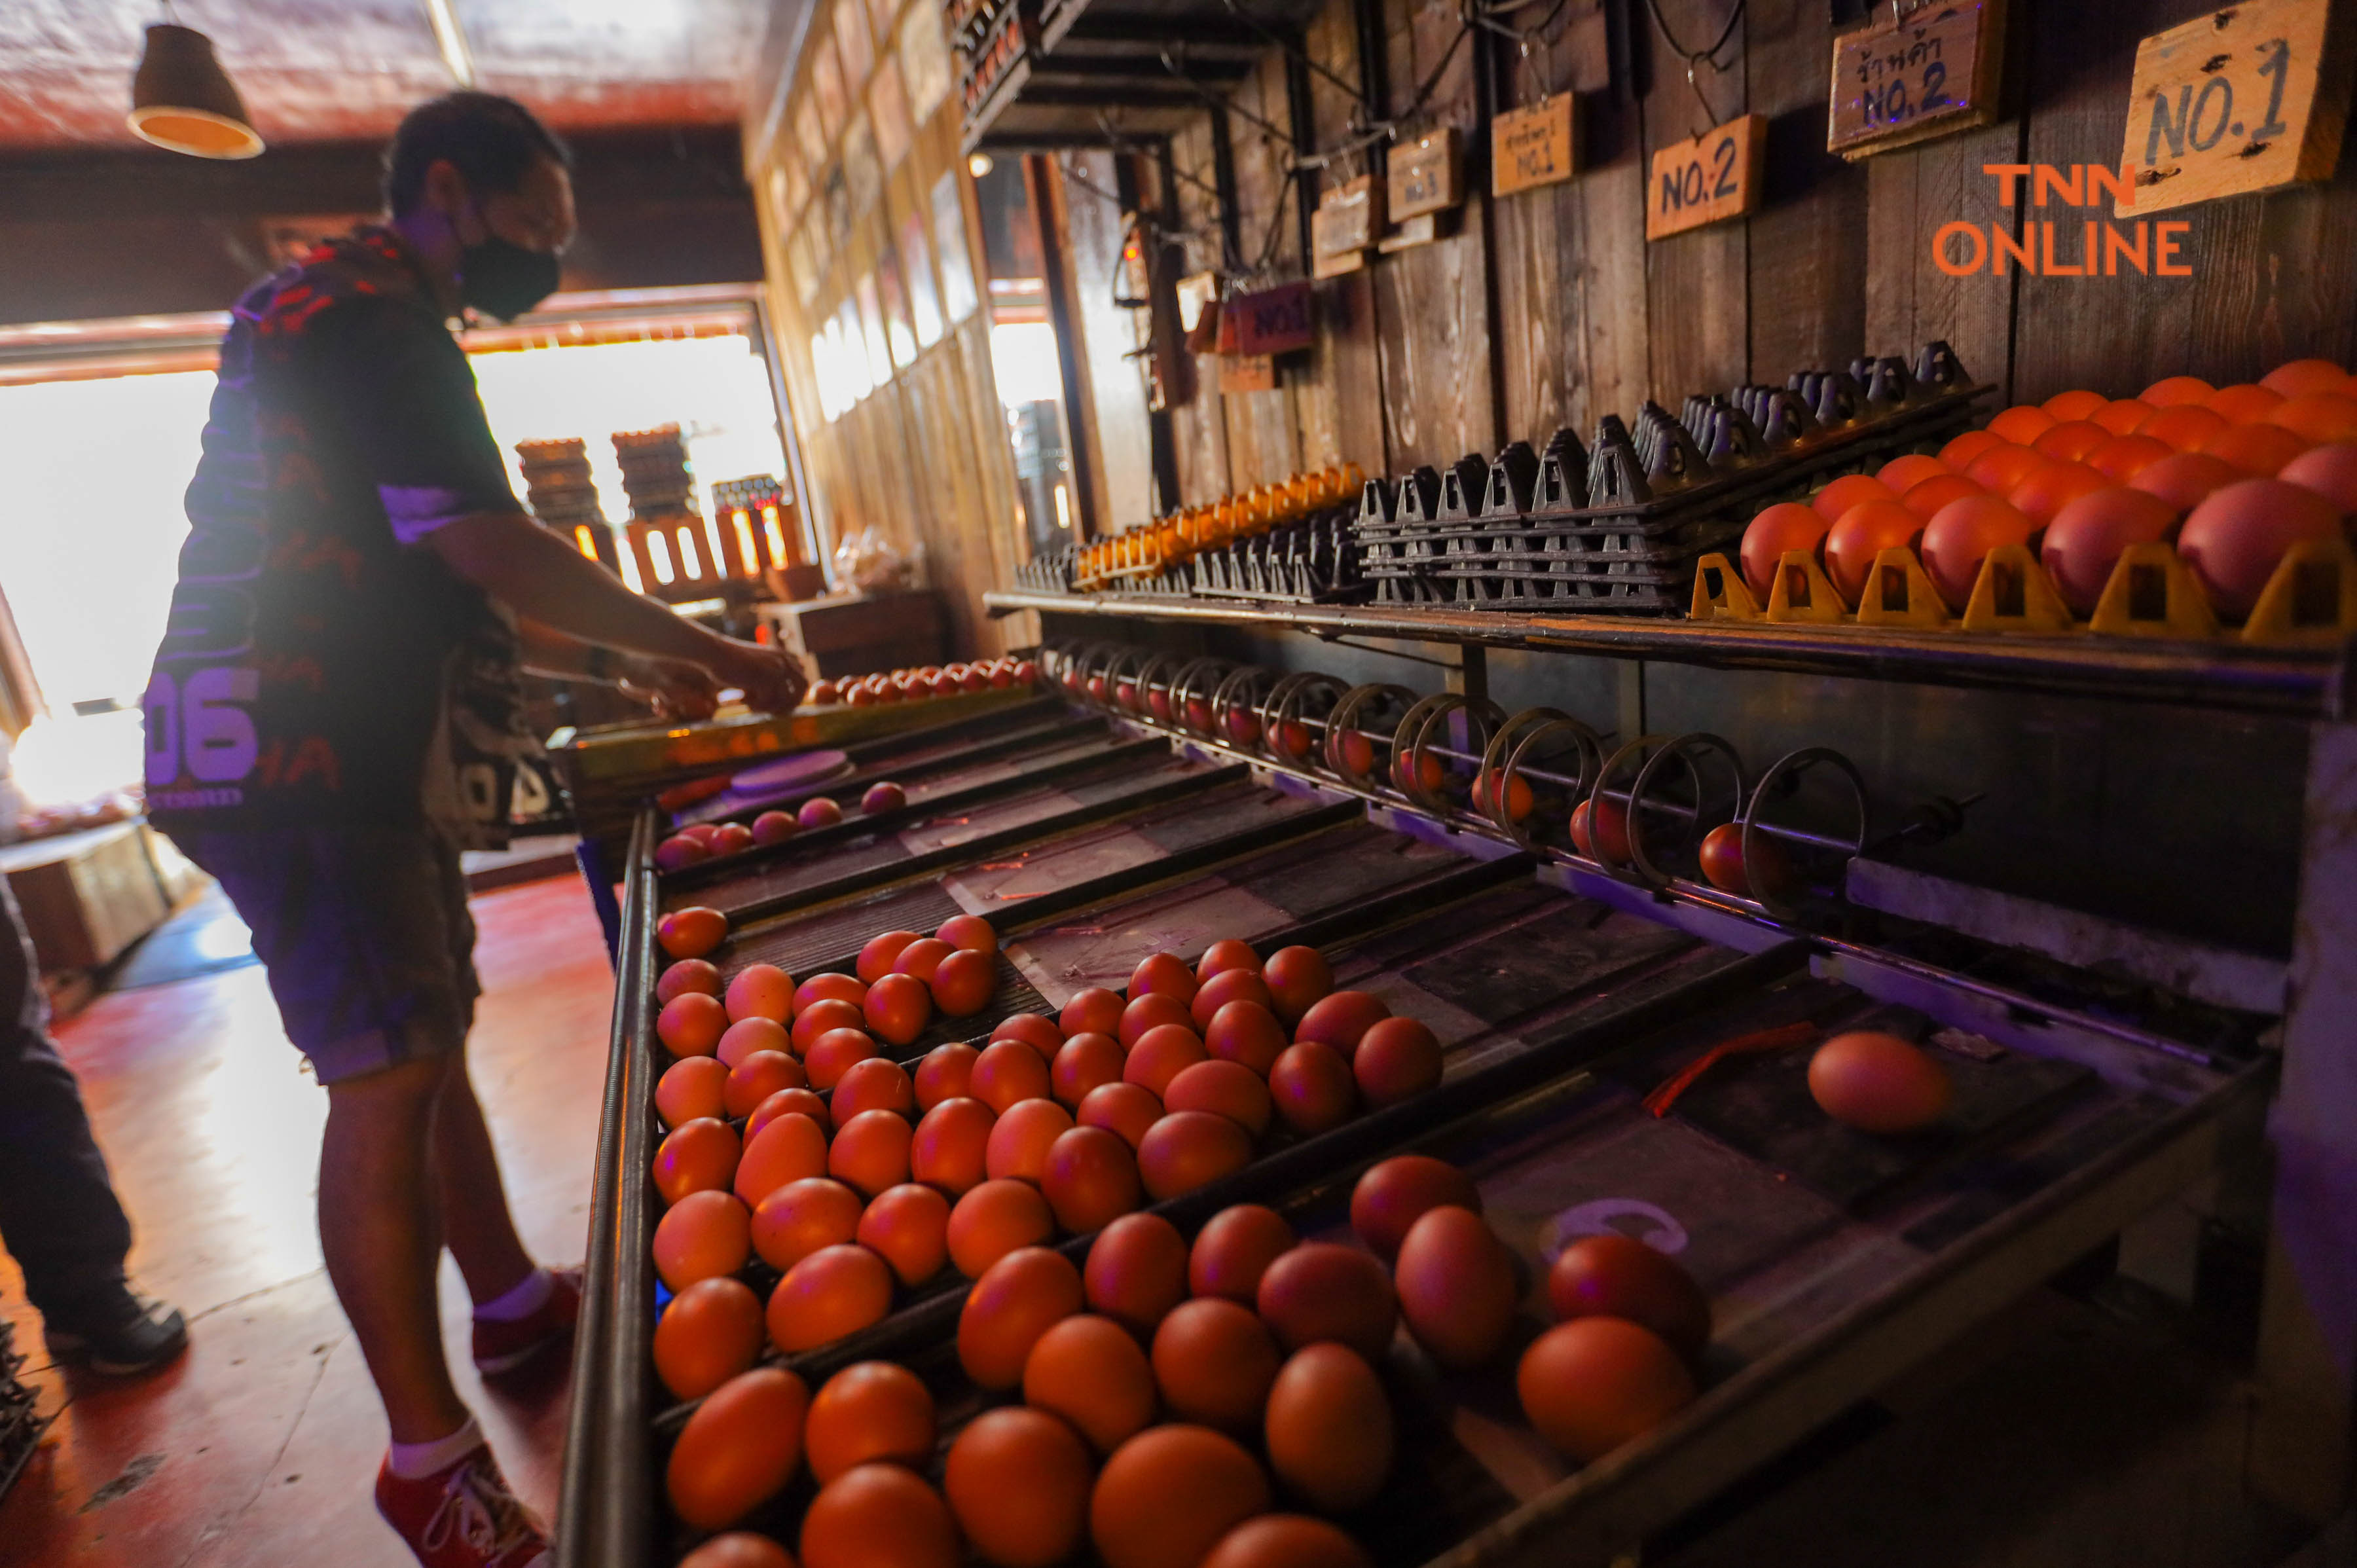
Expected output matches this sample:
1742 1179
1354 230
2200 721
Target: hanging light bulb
182 101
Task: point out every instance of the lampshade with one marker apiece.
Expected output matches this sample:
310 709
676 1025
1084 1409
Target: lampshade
182 101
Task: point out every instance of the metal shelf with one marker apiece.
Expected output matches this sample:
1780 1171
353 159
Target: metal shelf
2227 677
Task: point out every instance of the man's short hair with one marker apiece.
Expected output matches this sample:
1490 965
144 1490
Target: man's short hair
493 141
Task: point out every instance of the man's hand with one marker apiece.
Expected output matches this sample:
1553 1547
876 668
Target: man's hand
772 682
673 688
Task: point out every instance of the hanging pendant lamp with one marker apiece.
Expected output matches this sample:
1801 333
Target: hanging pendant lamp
182 101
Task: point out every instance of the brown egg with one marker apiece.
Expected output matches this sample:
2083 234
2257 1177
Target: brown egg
688 974
909 1227
1312 1087
1007 1072
921 957
801 1216
788 1103
1341 1019
1019 1482
822 1018
1298 978
738 1549
709 1333
1286 1540
869 1412
1323 1290
1035 1030
757 1078
1020 1139
739 1449
993 1219
1151 1010
1591 1384
870 1151
1095 1011
873 1084
1398 1059
1228 985
1160 1054
897 1008
1224 1088
1878 1083
829 987
1091 1178
2237 537
1233 1251
1395 1193
1619 1276
1189 1149
1226 953
1137 1272
746 1035
1125 1109
1016 1299
834 1292
1083 1063
691 1024
690 1088
1088 1371
969 933
1213 1362
1456 1285
1329 1428
1247 1034
700 1237
883 949
879 1516
945 1073
761 990
691 932
964 983
951 1144
1163 973
1168 1494
835 1053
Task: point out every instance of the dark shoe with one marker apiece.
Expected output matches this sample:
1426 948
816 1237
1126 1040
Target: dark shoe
119 1333
504 1348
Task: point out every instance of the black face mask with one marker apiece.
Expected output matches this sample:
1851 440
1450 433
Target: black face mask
502 279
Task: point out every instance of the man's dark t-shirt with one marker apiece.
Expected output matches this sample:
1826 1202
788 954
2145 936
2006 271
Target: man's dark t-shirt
320 665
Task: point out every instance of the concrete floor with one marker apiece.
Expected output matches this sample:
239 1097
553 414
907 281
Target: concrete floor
2062 1435
260 1448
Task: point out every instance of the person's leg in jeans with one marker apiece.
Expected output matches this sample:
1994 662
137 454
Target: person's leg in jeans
59 1215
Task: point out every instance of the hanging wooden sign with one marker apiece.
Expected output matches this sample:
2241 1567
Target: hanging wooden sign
1428 175
1715 176
1348 221
1534 147
1934 70
1271 321
1247 373
2228 103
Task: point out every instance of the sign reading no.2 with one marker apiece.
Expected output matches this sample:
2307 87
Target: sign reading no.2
1715 176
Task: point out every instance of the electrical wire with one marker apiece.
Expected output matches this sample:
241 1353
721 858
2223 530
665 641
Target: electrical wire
1693 56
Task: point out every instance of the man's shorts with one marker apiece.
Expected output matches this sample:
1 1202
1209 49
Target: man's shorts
364 933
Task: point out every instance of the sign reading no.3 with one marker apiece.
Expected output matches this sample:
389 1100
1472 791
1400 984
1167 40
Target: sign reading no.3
1715 176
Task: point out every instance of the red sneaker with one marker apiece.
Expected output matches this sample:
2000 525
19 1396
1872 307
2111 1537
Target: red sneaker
461 1517
503 1347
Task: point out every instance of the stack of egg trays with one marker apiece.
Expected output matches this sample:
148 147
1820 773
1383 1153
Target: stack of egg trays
1050 573
1307 561
1618 526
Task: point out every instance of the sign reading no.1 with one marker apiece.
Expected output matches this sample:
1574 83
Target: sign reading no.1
2230 102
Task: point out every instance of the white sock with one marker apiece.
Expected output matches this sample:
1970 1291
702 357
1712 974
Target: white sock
415 1461
521 1300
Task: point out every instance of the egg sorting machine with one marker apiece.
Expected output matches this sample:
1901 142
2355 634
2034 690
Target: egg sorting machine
1157 804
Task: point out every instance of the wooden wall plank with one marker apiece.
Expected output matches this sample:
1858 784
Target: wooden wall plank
1263 439
1697 284
1199 428
1338 398
1910 300
1808 241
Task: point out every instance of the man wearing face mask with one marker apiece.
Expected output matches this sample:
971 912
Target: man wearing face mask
334 715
